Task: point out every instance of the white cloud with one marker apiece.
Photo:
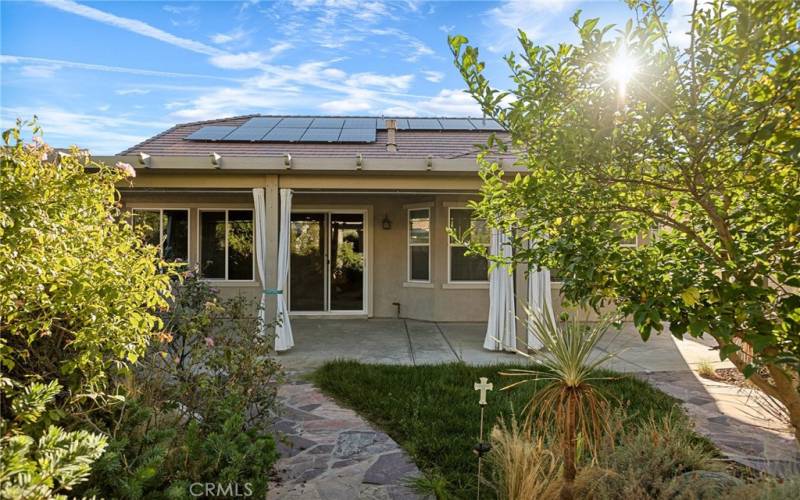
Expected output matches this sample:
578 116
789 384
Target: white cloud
133 25
234 36
180 9
40 70
218 56
346 106
433 76
534 17
391 82
104 107
10 59
230 101
447 28
418 49
399 111
451 102
101 134
132 92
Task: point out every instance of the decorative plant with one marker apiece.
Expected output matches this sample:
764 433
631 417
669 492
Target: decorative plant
569 403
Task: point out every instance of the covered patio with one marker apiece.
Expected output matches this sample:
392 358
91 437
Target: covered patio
413 342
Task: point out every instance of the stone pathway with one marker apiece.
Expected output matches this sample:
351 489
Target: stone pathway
330 453
734 419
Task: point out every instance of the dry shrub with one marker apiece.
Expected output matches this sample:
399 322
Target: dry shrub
649 456
523 467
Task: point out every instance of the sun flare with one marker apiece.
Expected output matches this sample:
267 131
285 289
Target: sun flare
622 68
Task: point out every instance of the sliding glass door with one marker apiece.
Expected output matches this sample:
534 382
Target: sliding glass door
328 262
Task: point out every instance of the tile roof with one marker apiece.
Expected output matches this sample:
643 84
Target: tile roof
449 144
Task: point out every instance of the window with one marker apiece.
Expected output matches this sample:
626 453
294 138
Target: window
226 244
166 229
419 244
467 267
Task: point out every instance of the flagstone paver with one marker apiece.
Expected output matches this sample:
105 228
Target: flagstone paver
736 419
330 453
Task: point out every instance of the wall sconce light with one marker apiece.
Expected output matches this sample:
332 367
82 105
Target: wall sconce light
387 224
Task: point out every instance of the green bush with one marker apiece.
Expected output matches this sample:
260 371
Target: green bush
198 402
78 292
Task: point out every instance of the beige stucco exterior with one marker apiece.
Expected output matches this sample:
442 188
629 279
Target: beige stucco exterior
380 193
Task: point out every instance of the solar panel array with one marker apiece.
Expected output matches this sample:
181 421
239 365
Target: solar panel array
329 129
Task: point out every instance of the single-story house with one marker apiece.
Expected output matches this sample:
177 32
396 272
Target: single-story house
331 217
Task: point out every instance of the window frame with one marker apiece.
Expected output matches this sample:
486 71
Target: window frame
410 245
160 211
227 228
450 247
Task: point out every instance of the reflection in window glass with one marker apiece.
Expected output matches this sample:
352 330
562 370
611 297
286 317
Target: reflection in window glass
212 245
467 267
419 236
240 245
167 229
175 226
148 221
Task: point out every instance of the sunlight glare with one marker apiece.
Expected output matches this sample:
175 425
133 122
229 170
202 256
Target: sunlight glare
622 69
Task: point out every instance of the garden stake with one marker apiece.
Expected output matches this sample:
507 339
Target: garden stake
482 448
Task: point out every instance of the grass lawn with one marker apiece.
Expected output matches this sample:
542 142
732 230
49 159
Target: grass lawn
433 412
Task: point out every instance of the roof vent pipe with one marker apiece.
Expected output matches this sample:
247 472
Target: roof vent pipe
391 136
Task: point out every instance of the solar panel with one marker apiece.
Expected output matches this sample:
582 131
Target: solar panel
424 124
456 124
266 122
213 133
485 124
295 122
402 123
284 135
336 123
357 135
360 123
321 135
247 134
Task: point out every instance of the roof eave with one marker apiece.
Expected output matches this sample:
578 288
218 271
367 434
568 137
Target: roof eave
276 164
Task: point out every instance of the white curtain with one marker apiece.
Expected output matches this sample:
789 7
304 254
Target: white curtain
540 301
501 328
283 339
261 250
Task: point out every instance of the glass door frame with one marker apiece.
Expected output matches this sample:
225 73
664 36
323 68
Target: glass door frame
327 210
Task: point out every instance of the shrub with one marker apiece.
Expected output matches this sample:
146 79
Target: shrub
651 455
78 292
197 406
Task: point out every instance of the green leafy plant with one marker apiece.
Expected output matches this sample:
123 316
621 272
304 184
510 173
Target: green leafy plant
197 403
692 148
569 402
78 296
53 463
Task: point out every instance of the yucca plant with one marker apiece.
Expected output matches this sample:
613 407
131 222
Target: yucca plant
570 402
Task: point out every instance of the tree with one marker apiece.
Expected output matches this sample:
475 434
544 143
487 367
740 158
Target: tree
693 146
79 293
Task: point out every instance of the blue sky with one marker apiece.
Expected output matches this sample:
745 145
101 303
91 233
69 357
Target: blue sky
106 75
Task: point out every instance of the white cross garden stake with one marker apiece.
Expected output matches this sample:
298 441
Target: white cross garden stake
483 386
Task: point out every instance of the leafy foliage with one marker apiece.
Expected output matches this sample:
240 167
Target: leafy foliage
78 292
197 403
56 461
697 154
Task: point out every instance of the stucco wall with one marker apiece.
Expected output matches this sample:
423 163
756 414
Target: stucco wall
436 301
